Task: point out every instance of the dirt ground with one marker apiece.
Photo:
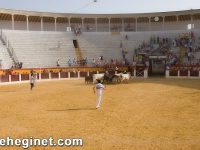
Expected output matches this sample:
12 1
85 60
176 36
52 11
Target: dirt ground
146 114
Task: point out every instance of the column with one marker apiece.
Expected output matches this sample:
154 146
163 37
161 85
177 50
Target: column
13 26
96 23
20 77
192 21
9 78
177 21
82 24
136 24
167 74
55 24
68 74
41 23
122 24
149 23
27 28
69 24
109 24
163 23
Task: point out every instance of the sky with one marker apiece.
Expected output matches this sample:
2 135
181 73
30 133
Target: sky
101 6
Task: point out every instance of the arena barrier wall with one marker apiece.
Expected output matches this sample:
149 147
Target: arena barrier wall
190 74
60 75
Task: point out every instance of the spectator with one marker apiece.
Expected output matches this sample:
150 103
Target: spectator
88 28
58 63
93 62
74 62
189 56
58 45
20 65
126 37
69 63
86 61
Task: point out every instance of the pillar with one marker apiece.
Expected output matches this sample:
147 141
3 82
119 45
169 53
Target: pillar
27 28
149 23
167 74
178 73
69 24
49 75
177 21
9 78
82 24
78 74
96 23
88 73
136 24
13 26
122 24
109 24
163 23
40 76
20 77
55 24
192 21
58 75
41 23
68 74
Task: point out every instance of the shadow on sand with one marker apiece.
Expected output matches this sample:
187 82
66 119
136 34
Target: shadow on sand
73 109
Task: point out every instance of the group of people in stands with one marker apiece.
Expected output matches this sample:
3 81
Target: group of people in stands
17 65
77 30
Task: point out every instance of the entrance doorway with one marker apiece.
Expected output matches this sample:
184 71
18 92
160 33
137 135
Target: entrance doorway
157 66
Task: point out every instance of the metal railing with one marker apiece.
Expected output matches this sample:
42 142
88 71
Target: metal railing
9 47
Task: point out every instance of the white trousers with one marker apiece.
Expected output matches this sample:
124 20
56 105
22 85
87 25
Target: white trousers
98 99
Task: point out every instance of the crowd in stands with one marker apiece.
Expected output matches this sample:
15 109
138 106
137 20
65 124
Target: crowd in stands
77 30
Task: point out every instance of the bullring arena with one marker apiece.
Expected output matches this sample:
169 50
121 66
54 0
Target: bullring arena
153 105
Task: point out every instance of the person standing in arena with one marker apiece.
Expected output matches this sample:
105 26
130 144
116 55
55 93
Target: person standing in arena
32 81
99 87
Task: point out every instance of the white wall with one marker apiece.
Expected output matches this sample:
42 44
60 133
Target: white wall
157 26
5 24
34 26
19 25
48 26
62 26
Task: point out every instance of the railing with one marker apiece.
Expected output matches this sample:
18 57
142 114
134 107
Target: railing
9 47
12 52
3 37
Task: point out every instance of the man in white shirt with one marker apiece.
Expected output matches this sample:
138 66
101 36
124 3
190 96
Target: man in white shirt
99 87
32 81
58 63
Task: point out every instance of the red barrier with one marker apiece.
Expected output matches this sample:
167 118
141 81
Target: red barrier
73 75
24 77
194 73
54 75
64 75
5 78
173 73
183 72
44 75
83 74
14 77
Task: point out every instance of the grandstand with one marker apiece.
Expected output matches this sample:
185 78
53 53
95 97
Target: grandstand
40 49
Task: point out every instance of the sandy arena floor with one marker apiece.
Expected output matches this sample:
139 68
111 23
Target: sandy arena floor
146 114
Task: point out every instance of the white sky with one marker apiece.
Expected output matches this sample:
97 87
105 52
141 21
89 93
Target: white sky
101 6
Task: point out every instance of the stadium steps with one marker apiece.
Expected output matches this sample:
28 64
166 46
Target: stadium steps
78 54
